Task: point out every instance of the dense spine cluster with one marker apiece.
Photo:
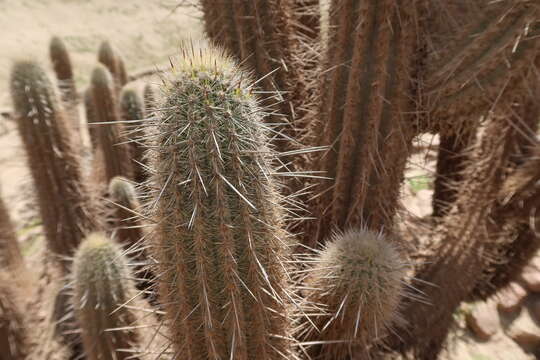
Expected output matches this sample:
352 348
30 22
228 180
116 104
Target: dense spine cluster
218 238
63 69
354 285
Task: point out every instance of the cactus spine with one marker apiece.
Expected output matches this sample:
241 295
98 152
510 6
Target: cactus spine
14 342
364 105
355 284
67 209
10 253
115 151
101 289
218 237
132 109
149 96
64 73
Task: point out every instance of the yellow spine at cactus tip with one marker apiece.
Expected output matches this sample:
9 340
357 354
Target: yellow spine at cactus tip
219 239
357 281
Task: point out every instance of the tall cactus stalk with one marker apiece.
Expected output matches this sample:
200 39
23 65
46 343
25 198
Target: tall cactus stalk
67 209
102 289
10 253
218 240
132 109
90 112
366 116
14 339
115 151
355 286
114 63
63 69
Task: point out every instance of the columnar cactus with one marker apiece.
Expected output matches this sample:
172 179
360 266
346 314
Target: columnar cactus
10 253
116 152
218 237
67 209
114 63
102 289
127 227
14 340
64 73
355 285
366 116
132 109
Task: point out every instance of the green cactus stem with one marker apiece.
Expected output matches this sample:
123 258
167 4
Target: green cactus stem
218 240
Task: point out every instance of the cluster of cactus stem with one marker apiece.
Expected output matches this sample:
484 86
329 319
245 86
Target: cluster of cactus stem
250 201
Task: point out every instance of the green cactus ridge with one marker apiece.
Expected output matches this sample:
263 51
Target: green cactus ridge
219 241
101 289
357 279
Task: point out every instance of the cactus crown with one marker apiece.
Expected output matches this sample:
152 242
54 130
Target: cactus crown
29 81
100 266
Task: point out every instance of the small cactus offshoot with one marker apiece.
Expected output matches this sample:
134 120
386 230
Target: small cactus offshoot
102 288
353 287
132 109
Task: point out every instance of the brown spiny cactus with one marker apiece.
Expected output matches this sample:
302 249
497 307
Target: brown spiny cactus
150 99
353 288
102 290
68 210
366 116
114 63
64 74
14 338
112 143
132 110
10 253
218 239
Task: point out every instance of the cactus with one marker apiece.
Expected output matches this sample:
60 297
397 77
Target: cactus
114 63
245 30
14 340
101 290
10 253
355 284
116 152
64 73
132 109
67 209
366 117
218 238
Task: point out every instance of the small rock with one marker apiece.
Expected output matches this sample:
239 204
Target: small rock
483 320
511 297
525 332
530 277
